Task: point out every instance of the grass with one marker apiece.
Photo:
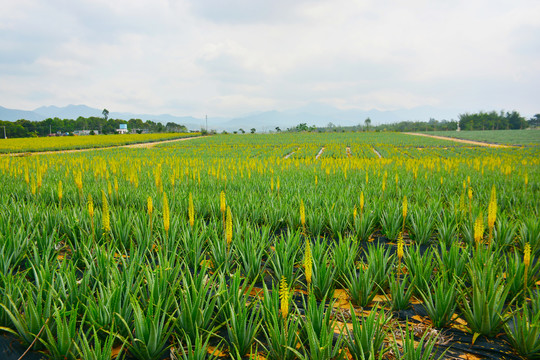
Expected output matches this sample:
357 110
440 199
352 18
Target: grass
504 137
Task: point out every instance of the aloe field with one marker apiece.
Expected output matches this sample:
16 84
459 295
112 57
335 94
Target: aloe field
22 145
273 246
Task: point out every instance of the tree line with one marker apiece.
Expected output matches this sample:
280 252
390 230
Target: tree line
27 128
476 121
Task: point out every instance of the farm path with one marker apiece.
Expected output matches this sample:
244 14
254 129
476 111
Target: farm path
472 142
139 145
320 153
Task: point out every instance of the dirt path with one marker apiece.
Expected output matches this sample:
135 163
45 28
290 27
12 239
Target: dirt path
288 155
139 145
320 153
472 142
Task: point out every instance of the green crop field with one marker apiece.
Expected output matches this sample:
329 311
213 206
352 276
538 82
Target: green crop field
505 137
20 145
278 246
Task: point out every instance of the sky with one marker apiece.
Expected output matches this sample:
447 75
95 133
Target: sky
234 57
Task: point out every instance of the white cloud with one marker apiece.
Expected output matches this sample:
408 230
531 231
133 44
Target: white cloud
190 57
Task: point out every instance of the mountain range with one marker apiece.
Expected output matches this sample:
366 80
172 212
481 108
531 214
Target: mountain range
312 114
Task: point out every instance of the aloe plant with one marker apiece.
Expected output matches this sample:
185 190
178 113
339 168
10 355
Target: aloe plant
447 228
361 286
320 342
198 350
61 334
530 233
424 349
381 262
196 306
401 291
250 254
515 274
31 315
364 226
422 223
452 259
365 340
484 303
504 233
152 329
345 254
242 328
391 222
323 278
420 267
440 302
281 335
95 348
284 258
524 333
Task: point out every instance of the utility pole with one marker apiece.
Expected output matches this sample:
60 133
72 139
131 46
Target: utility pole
206 116
50 129
5 137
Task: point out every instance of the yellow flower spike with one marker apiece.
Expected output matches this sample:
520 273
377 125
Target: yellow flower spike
469 194
526 261
302 214
362 203
479 229
284 297
106 215
149 206
527 255
492 209
228 228
277 184
355 212
166 214
222 202
191 211
91 207
60 194
116 186
404 207
308 263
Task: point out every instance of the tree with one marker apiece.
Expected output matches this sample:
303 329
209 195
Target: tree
367 122
242 131
105 113
253 130
278 129
534 121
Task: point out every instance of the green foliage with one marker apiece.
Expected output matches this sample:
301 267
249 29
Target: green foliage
366 339
440 302
523 330
424 349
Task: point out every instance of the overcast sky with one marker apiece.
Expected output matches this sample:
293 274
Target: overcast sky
232 57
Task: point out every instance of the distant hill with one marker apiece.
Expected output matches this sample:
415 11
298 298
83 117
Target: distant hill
14 115
312 114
